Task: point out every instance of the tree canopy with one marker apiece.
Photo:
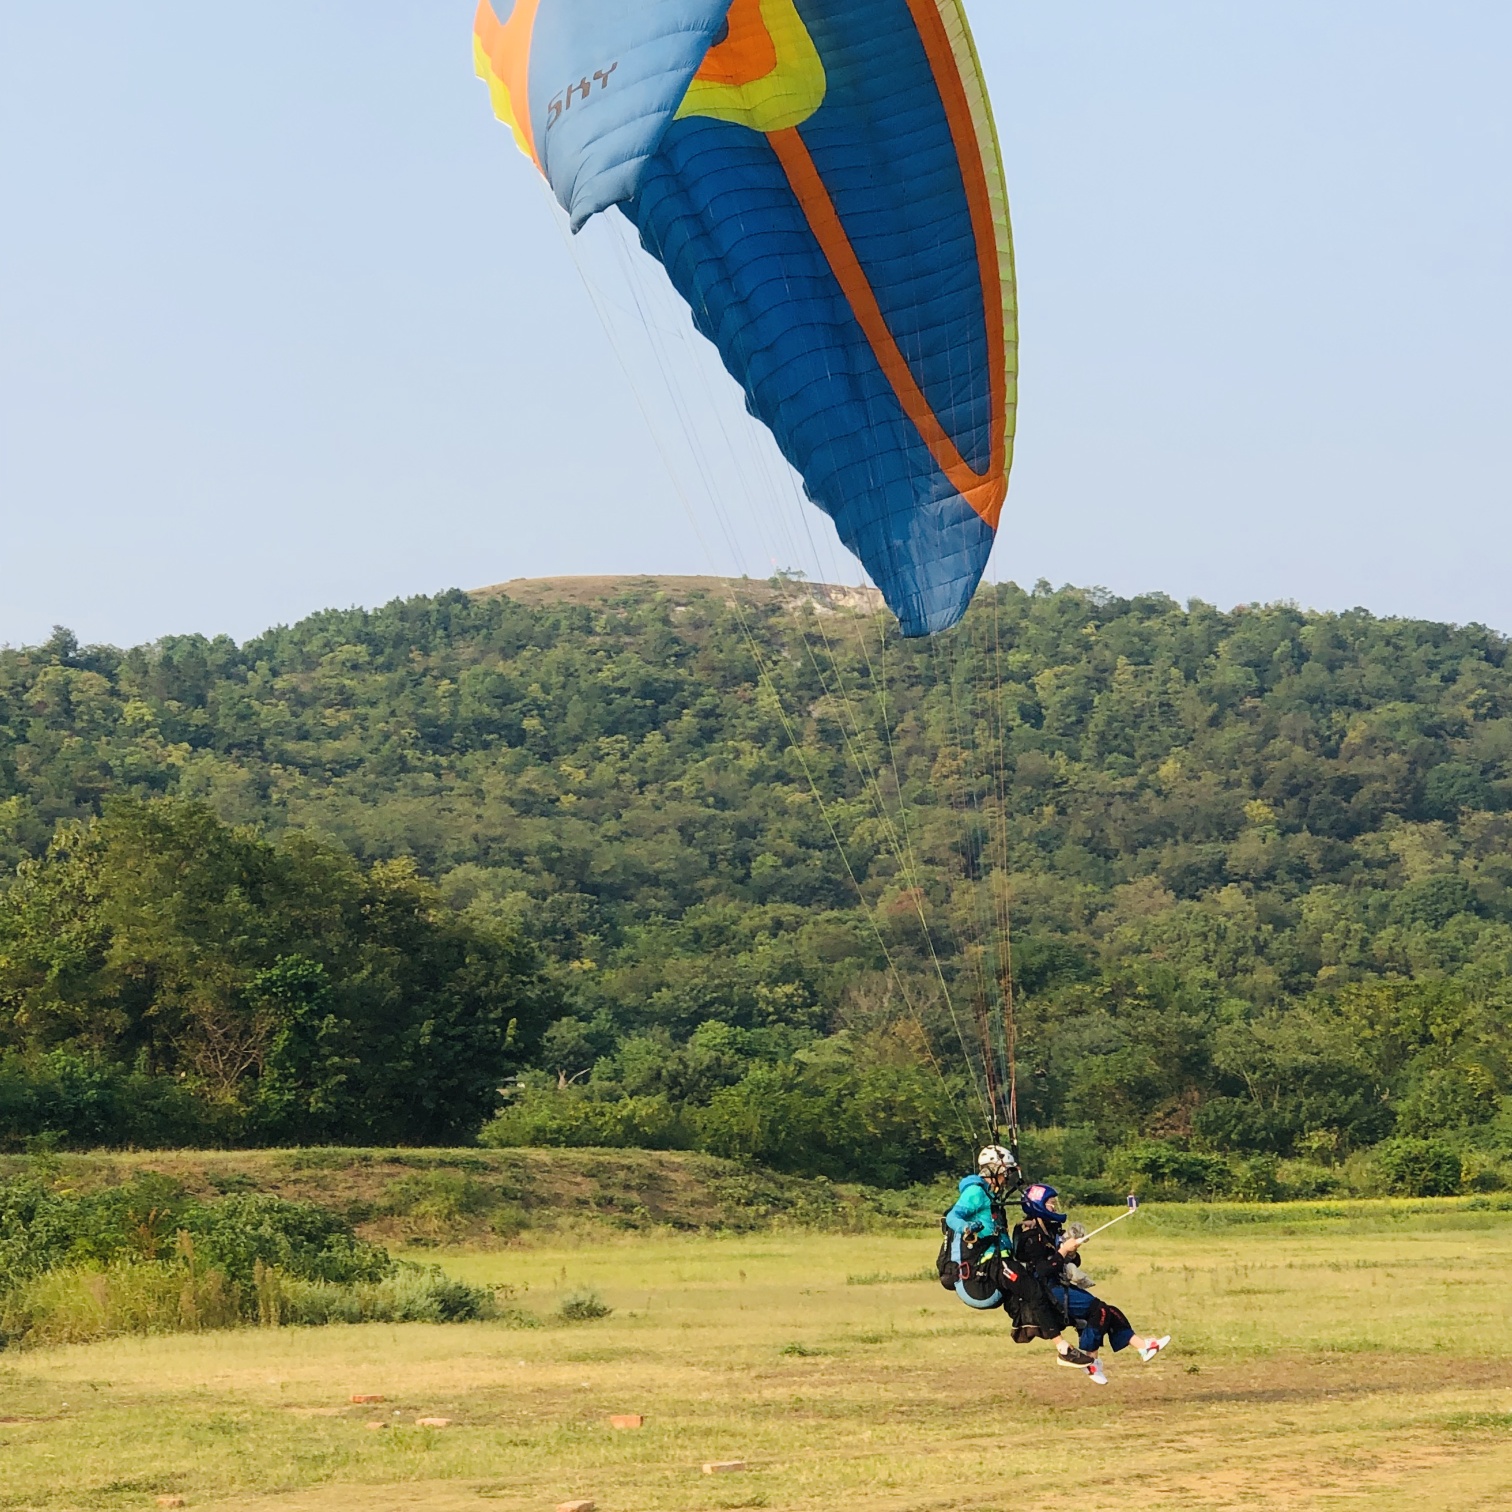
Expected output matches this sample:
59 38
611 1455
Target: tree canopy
165 976
1257 863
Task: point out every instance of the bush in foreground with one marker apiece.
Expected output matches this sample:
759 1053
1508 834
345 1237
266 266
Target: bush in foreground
81 1304
149 1258
154 1219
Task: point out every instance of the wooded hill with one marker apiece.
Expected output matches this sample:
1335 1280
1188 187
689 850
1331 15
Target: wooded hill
1258 866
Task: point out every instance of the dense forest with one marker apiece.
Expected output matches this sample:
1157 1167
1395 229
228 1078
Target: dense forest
718 867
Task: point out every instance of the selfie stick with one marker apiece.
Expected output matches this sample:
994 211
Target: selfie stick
1133 1208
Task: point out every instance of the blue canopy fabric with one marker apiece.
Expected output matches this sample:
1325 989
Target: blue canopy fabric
821 181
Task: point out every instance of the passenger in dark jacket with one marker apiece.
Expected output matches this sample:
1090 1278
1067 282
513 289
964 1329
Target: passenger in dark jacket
1042 1251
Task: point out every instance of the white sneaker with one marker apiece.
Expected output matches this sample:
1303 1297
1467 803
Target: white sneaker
1153 1348
1095 1373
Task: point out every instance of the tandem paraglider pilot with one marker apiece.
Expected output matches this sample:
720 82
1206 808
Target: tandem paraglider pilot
1033 1273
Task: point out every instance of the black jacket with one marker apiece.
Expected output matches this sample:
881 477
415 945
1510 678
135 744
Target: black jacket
1038 1251
1028 1272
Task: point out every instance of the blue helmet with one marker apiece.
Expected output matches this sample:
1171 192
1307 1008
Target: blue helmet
1036 1201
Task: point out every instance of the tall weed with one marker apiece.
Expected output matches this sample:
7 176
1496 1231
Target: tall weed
413 1294
79 1304
147 1257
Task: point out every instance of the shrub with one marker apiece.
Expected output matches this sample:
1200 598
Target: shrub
1304 1180
1257 1180
1483 1171
412 1294
1419 1167
886 1125
583 1307
146 1257
302 1240
1162 1168
575 1120
80 1304
444 1204
71 1101
1062 1154
42 1229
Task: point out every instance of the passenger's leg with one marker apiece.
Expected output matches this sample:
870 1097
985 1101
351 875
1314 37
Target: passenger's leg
1116 1326
1085 1312
1068 1354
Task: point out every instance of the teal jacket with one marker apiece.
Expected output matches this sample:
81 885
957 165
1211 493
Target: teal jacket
974 1206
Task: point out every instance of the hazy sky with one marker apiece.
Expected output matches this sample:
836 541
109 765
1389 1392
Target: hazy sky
285 322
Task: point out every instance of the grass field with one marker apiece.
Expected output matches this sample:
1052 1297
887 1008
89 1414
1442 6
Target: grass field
1351 1356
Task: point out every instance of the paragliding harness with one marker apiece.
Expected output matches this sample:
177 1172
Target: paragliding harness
971 1267
1036 1312
984 1274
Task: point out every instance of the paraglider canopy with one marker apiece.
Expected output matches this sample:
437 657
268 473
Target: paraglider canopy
822 183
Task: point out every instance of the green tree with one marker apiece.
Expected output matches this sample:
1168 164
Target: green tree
299 995
1259 865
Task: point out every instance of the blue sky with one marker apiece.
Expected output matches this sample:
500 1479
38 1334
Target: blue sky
286 323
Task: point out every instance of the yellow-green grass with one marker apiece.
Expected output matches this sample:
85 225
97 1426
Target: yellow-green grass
1355 1356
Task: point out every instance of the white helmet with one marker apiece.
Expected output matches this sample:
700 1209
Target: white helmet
995 1157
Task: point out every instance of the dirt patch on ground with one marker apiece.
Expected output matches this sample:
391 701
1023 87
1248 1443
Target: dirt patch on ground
1321 1378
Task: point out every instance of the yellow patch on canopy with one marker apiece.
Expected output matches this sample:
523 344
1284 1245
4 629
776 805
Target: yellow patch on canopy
765 73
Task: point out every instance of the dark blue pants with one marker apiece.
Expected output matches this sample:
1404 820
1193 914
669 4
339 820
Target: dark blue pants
1096 1319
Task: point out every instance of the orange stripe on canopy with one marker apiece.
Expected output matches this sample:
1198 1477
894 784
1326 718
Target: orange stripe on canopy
984 492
